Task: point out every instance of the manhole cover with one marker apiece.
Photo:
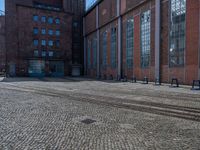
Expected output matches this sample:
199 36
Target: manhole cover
88 121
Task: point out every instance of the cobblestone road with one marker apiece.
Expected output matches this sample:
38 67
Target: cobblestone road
47 114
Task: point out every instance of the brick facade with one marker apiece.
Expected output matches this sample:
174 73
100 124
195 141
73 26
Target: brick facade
2 44
128 8
19 35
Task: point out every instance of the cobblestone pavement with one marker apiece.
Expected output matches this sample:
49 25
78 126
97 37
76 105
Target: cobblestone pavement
83 114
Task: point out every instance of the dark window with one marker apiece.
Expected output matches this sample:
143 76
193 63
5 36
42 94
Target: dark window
43 31
35 18
177 33
50 43
43 43
35 31
35 42
57 32
43 19
50 20
50 53
36 53
57 21
104 49
57 43
43 53
113 47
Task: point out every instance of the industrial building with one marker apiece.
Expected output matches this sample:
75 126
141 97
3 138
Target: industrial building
43 37
154 39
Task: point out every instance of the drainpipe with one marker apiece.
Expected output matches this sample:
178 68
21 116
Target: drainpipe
98 41
157 41
119 73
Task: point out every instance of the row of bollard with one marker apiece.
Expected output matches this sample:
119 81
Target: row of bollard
174 81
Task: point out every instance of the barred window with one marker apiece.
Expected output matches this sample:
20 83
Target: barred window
89 54
113 48
129 42
177 33
94 47
104 49
145 38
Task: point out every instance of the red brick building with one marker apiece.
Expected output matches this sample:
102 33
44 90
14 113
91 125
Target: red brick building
2 42
39 39
157 39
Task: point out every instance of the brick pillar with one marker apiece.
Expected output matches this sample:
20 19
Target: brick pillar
119 39
98 39
157 40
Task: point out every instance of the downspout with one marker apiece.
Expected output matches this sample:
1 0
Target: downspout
157 40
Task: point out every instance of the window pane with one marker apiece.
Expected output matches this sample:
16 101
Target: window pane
43 42
43 19
57 21
57 32
104 49
35 18
177 32
50 32
43 31
35 31
145 39
129 42
35 42
50 43
113 48
50 20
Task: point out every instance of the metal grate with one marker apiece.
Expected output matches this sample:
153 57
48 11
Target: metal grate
88 121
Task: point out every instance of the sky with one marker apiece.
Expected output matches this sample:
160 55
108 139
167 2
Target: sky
89 3
2 5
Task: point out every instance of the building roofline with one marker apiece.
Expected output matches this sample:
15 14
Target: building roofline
92 7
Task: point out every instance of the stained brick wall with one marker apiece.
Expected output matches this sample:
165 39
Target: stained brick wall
186 73
2 43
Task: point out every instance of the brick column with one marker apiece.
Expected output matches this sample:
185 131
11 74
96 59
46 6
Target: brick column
157 40
85 48
119 40
98 41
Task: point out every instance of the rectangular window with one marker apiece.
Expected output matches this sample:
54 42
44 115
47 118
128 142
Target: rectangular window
43 43
50 32
57 32
50 20
94 47
129 42
50 53
35 42
113 47
177 33
145 38
57 43
50 43
104 49
35 31
35 18
89 54
36 53
43 31
43 19
43 53
57 21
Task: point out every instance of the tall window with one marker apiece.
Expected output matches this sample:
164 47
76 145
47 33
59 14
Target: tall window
104 49
89 54
177 33
145 39
50 20
43 19
94 47
129 42
113 47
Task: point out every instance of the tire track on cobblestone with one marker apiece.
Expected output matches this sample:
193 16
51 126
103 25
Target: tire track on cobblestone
142 106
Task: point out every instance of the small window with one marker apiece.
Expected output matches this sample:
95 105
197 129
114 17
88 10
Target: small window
43 42
75 24
57 43
43 31
35 18
43 53
36 53
43 19
35 31
50 43
50 53
57 21
35 42
50 20
57 32
50 32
